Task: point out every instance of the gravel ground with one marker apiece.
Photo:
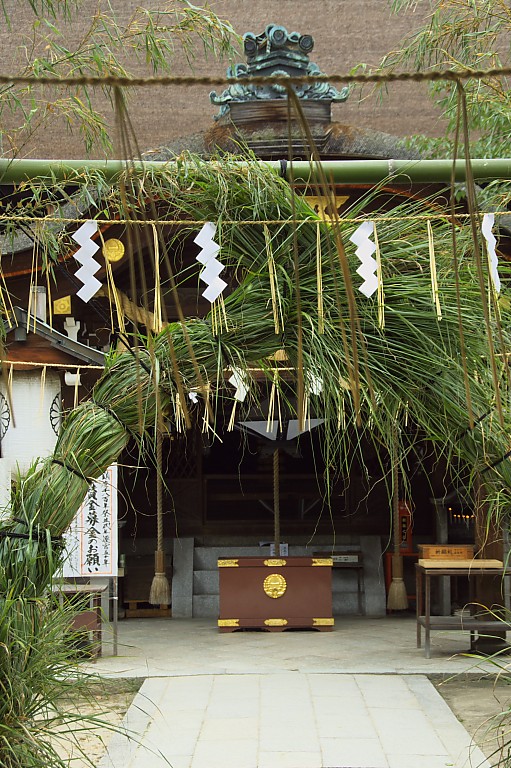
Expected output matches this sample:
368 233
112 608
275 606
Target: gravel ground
108 701
484 707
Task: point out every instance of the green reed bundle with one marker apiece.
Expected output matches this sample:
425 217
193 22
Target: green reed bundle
370 370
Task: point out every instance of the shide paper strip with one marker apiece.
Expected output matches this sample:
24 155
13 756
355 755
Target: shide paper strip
83 255
493 260
212 267
365 249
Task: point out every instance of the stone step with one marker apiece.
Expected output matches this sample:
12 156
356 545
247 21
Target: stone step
196 571
206 606
205 582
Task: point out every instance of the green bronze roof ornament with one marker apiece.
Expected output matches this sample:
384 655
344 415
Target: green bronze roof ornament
278 53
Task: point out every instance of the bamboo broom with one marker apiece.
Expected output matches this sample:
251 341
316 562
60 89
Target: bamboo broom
397 599
160 588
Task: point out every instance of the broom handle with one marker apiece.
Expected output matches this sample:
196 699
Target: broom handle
395 490
159 494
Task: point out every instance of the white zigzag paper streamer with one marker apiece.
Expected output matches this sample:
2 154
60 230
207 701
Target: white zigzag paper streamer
84 254
364 251
212 267
238 380
493 260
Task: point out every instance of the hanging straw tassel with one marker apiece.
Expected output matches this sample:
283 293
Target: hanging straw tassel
434 277
397 599
42 390
278 320
160 588
158 321
319 280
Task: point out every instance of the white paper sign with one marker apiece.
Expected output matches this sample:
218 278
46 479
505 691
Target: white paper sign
91 540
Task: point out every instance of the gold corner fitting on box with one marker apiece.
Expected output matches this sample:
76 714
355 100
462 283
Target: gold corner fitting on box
322 622
275 622
228 622
322 561
224 563
274 562
274 585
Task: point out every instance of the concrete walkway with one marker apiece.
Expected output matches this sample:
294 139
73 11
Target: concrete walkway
357 697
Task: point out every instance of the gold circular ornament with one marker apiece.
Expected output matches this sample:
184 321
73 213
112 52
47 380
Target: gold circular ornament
274 585
113 249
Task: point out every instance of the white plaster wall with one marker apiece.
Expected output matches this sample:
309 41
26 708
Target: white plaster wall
30 434
5 486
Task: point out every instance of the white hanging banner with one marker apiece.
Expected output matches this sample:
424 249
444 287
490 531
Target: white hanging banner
365 249
91 541
493 260
212 267
84 254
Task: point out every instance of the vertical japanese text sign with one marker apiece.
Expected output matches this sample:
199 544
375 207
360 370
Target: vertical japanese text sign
91 540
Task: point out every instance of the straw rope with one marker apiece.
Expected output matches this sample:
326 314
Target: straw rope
450 74
196 223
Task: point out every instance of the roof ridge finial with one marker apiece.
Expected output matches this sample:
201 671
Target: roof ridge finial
277 53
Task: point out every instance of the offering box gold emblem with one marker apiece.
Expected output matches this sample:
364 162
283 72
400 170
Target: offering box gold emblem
274 585
275 562
275 622
113 249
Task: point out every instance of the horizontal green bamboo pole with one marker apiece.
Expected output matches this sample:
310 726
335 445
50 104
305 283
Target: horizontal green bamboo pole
336 171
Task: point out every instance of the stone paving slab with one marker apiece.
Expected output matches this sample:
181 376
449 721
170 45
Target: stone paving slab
291 720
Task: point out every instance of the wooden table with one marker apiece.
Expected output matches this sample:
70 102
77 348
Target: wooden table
425 570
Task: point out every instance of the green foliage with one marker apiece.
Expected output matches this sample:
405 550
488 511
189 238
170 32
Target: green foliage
146 44
416 364
473 34
40 680
42 8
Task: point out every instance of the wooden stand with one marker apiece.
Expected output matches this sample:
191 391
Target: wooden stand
484 622
275 593
88 620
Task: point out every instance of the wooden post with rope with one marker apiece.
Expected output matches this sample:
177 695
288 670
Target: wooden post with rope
276 501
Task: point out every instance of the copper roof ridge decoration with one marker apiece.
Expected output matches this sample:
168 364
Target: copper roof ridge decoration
278 53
